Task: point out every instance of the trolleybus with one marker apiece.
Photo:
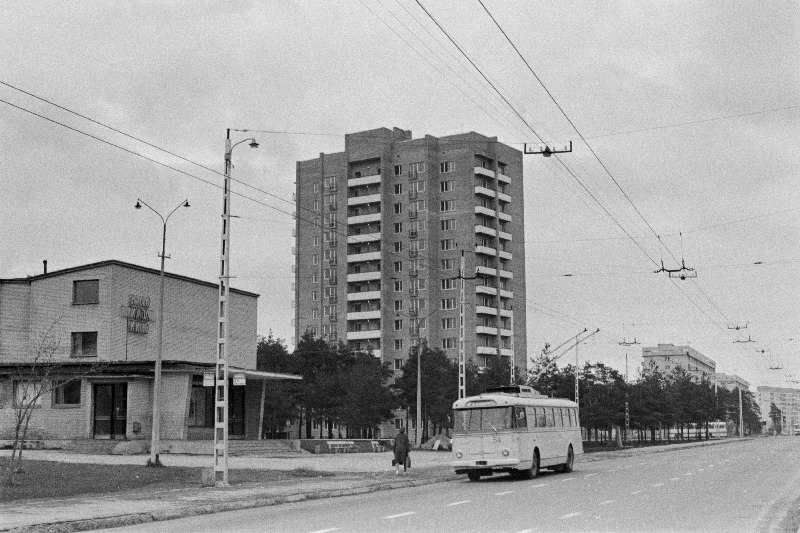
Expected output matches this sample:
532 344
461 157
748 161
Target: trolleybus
516 430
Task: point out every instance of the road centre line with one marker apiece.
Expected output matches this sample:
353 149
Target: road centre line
540 485
570 515
524 531
399 515
658 485
569 479
635 492
327 530
590 475
674 478
458 503
606 502
688 474
502 493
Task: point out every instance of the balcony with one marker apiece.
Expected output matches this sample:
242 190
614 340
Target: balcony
332 299
480 171
480 210
505 255
361 296
483 289
504 216
506 312
332 318
486 330
485 230
413 272
506 274
413 292
413 234
363 237
506 294
412 194
367 256
413 253
361 335
485 271
486 251
366 199
364 180
413 213
363 276
333 207
506 332
505 235
484 191
486 350
484 310
363 219
503 197
364 315
503 178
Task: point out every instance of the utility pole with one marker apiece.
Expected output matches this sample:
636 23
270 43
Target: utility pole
741 413
462 364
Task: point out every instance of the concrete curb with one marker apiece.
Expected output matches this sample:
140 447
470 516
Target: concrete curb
186 512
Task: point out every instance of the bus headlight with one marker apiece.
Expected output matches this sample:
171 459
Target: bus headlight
505 453
459 455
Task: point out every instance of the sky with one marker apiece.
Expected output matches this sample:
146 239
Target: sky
684 118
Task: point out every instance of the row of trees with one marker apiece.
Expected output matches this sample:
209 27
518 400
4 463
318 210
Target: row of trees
356 390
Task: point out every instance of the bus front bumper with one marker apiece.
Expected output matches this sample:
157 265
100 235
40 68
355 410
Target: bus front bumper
464 466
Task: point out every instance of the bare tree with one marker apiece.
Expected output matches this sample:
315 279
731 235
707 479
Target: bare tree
34 380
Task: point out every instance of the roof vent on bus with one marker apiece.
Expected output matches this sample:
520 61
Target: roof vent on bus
515 390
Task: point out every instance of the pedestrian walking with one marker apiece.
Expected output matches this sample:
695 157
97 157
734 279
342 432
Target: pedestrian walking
401 449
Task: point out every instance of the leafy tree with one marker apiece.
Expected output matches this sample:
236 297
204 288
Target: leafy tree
368 400
280 397
496 373
775 415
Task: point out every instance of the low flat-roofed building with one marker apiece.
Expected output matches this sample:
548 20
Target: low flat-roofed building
666 357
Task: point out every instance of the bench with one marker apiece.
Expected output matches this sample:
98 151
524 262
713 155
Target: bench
377 446
344 446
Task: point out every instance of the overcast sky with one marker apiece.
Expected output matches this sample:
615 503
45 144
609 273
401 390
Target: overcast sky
693 108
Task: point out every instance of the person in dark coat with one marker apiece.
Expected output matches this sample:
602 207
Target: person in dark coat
401 449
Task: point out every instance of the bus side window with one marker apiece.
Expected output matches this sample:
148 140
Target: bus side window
531 416
519 418
572 417
541 419
551 420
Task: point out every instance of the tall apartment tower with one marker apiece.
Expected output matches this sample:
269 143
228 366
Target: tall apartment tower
380 232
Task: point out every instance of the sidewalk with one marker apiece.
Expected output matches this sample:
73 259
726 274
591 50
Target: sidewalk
142 506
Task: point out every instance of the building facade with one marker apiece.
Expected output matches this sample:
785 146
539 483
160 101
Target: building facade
666 357
381 228
731 381
785 399
95 327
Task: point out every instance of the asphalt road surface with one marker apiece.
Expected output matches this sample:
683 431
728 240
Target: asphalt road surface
740 486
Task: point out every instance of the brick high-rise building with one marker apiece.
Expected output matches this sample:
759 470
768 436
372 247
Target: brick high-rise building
381 228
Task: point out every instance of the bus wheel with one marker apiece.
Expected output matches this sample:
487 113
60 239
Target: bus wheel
474 475
567 467
533 471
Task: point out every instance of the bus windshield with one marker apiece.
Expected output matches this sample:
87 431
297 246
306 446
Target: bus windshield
486 419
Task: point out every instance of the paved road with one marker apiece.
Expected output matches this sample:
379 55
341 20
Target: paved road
735 487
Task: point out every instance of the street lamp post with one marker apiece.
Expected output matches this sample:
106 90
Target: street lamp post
221 366
156 425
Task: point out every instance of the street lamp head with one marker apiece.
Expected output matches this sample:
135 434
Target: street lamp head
186 204
138 205
254 144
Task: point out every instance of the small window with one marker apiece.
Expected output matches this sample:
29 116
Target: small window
448 264
67 392
448 224
398 209
398 170
398 344
447 166
551 417
398 305
447 186
398 188
398 266
398 227
541 417
520 421
447 205
86 291
448 244
448 284
84 344
448 323
28 393
398 324
398 365
398 285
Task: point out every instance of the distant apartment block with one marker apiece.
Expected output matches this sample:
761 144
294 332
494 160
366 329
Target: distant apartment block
666 357
380 231
731 382
785 399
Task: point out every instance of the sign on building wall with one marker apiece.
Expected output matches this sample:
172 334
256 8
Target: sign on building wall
137 312
238 379
208 379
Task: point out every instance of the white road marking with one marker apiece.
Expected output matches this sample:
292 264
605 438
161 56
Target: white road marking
635 492
502 493
658 485
524 531
688 474
569 479
629 466
540 485
458 503
327 530
606 502
399 515
674 479
590 475
570 515
701 469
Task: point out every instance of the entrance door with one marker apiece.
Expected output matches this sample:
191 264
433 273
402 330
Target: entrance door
235 412
110 410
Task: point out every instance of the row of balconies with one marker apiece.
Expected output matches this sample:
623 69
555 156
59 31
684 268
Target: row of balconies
485 172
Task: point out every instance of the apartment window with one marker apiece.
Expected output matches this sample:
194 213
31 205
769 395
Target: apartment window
421 205
418 284
84 344
449 343
315 313
398 286
447 186
315 277
448 323
26 391
448 264
86 291
448 304
315 259
447 225
330 255
67 392
312 330
317 223
398 188
398 305
418 167
398 344
316 206
398 209
330 183
398 227
329 273
447 166
447 205
315 187
448 284
331 219
398 365
398 170
398 247
398 266
316 240
314 296
448 244
398 324
330 292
